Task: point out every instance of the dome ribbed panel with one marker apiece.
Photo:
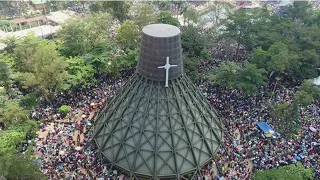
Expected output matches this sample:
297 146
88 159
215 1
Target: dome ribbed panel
149 130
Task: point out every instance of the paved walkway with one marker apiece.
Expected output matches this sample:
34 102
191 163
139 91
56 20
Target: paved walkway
237 136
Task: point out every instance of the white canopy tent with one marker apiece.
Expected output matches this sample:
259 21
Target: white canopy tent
316 81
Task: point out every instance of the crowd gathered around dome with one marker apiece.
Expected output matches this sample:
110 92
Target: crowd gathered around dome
64 147
61 153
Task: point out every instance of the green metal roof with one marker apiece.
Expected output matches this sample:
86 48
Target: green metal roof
148 130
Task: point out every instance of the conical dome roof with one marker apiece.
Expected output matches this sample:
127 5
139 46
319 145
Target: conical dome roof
150 130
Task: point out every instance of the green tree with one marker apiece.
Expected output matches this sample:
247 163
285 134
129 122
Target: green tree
3 97
306 94
40 65
12 113
250 78
190 14
29 101
303 98
98 6
122 61
315 18
9 141
9 60
128 35
231 75
64 109
8 25
28 127
238 27
165 17
18 166
191 65
101 58
125 60
143 15
277 58
5 75
96 28
292 172
307 64
193 43
12 137
285 117
118 9
73 38
244 24
311 89
225 75
300 11
10 42
80 72
84 34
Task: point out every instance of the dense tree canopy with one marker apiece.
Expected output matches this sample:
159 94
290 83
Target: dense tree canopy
300 11
247 78
82 35
166 17
190 14
191 66
287 45
293 172
80 72
4 75
193 44
119 9
40 65
18 166
143 15
128 35
12 113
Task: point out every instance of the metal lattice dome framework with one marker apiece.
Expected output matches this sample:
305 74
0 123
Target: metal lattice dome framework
152 131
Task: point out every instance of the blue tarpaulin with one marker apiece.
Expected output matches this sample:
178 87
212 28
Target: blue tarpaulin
265 127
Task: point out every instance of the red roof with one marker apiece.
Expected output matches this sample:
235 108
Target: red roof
23 20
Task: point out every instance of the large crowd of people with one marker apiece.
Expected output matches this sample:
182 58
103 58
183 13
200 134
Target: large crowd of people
237 158
242 114
59 148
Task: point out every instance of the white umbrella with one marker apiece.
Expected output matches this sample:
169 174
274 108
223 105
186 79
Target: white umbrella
83 116
312 129
92 104
78 148
61 152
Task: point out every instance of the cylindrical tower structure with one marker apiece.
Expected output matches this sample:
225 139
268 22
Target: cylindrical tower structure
160 41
